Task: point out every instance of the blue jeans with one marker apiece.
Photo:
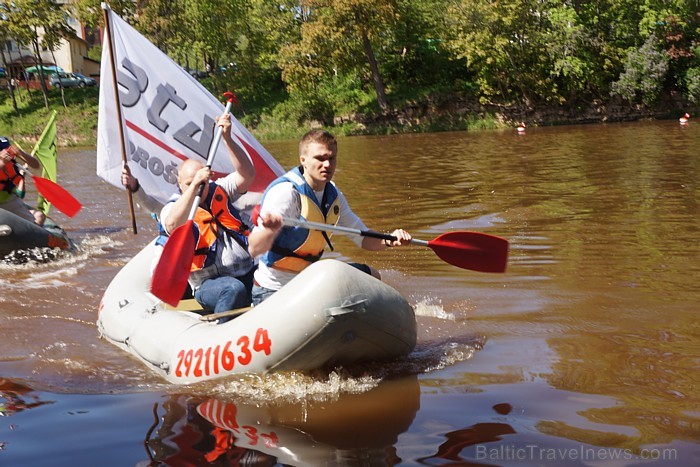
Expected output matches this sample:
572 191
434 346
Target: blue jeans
261 294
225 293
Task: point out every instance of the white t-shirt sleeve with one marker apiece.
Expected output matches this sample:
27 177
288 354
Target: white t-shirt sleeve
164 213
282 199
228 183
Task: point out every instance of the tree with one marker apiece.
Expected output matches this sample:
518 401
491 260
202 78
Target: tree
4 37
24 18
263 27
90 13
50 17
504 45
644 73
162 22
336 35
416 56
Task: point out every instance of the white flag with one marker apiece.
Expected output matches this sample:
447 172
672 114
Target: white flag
168 116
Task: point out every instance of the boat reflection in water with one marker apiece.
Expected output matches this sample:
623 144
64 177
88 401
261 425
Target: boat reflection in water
349 428
16 397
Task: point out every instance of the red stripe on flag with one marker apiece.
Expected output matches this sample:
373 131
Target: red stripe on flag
155 140
165 147
263 173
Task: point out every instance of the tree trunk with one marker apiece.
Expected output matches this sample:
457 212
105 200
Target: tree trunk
60 85
10 87
42 82
376 78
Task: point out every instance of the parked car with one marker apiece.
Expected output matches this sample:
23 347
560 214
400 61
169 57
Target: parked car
199 74
86 79
70 80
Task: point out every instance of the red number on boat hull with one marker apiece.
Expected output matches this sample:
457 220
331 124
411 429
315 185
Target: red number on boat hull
206 361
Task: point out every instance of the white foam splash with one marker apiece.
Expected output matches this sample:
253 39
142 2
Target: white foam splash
427 307
297 386
39 268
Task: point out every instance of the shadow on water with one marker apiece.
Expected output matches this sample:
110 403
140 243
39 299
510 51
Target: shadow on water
475 435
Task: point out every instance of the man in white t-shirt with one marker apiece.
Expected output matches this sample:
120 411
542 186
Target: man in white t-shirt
307 192
222 269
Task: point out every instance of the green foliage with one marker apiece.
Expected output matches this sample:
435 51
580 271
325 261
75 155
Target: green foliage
503 44
692 84
76 126
90 12
645 72
95 53
298 63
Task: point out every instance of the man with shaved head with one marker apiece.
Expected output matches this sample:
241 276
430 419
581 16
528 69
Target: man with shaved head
222 270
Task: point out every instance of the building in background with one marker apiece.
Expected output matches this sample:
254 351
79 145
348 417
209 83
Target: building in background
71 56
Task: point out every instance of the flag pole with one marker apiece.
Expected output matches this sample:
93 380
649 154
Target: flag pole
108 32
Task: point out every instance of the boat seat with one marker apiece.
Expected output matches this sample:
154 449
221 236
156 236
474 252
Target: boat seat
189 304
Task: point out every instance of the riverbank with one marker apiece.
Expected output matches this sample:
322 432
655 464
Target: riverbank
77 122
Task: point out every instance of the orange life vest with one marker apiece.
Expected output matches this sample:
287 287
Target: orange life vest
295 248
10 177
218 216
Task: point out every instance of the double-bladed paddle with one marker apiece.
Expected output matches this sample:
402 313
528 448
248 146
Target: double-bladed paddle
170 275
467 250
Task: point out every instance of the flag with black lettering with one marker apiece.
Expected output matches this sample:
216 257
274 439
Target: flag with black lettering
167 117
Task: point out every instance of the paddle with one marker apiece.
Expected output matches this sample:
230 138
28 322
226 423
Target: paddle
467 250
53 193
170 275
226 314
57 196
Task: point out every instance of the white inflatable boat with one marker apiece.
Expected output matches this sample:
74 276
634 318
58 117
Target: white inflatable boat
330 314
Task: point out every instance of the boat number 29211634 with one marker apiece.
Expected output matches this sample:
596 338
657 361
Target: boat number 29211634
208 361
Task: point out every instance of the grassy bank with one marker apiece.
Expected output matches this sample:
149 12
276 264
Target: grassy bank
77 122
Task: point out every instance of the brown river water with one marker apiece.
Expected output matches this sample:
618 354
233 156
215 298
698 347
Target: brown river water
585 352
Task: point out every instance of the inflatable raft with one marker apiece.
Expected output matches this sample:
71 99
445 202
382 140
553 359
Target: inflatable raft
20 234
330 314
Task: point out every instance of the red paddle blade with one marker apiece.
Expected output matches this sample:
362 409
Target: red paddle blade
170 276
57 195
472 250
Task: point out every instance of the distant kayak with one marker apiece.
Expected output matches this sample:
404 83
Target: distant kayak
330 314
20 234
